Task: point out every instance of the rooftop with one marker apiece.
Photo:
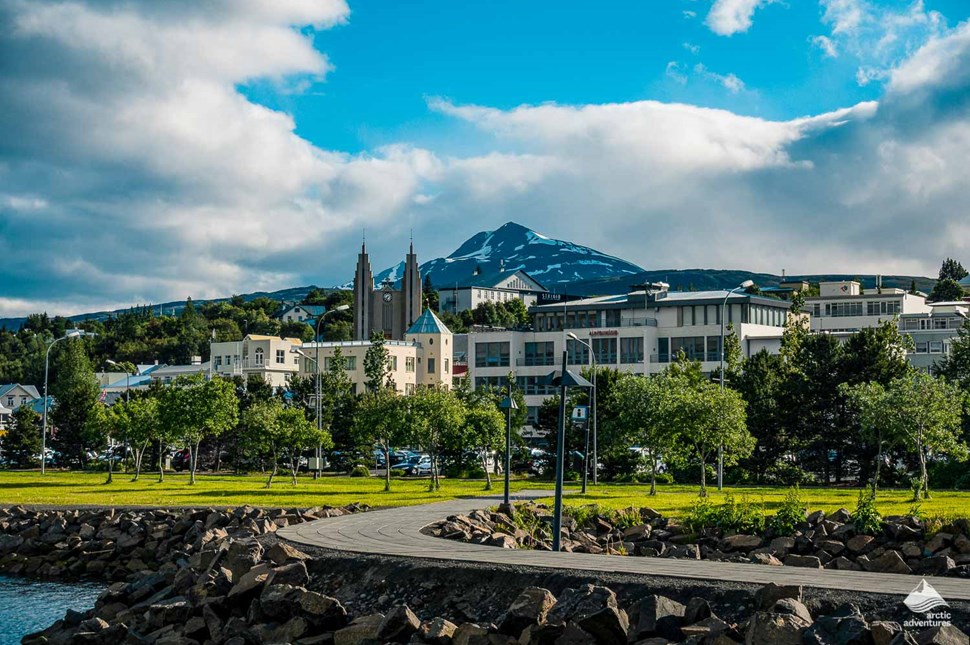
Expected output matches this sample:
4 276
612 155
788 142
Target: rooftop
428 323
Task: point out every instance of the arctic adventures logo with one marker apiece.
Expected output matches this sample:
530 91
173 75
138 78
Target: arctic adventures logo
926 600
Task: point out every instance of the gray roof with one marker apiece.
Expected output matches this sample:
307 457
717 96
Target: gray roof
29 389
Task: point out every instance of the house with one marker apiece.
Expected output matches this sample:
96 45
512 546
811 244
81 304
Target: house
495 287
167 374
269 357
423 358
301 313
843 308
933 332
14 395
639 332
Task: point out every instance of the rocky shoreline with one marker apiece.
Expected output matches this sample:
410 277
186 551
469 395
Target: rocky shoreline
904 544
208 576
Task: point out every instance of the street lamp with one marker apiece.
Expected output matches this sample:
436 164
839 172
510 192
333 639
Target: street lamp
592 360
318 405
71 333
508 404
720 448
563 380
127 398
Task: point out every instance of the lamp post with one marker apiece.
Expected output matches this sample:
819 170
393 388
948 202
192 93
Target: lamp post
720 447
564 380
508 404
318 404
128 397
592 399
71 333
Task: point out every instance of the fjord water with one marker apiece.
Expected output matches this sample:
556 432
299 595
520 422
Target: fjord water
27 605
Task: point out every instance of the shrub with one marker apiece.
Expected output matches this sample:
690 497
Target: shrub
571 476
740 517
360 471
866 517
790 513
916 485
397 472
582 514
626 517
962 482
699 516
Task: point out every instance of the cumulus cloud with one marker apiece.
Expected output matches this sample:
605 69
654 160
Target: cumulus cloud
728 17
827 45
730 81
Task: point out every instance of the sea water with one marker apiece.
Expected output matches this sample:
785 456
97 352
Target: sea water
27 605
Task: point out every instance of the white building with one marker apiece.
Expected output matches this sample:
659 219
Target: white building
842 307
301 313
501 286
933 332
269 357
638 332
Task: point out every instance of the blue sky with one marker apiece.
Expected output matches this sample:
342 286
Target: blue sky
153 151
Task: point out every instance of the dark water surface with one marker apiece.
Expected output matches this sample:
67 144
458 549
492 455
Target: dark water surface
27 605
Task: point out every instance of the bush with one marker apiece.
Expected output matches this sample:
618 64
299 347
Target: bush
866 517
571 476
962 482
397 472
733 516
360 471
790 513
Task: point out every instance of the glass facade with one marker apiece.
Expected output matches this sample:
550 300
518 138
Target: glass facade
491 355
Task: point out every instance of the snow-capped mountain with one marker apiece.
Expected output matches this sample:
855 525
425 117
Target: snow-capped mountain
551 262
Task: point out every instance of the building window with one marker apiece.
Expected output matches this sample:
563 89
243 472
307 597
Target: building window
393 360
533 385
494 382
663 350
843 309
936 347
492 355
430 366
446 365
543 353
9 401
612 317
218 362
409 388
604 349
350 363
280 357
693 347
259 357
631 350
409 364
921 347
576 353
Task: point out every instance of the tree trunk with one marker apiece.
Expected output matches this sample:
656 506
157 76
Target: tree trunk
653 476
272 473
139 453
161 462
193 462
218 457
923 473
294 467
875 477
431 482
488 475
387 467
110 470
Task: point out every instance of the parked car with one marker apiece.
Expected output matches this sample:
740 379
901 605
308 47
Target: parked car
418 465
181 460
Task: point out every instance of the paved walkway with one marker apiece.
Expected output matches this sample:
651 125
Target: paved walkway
397 532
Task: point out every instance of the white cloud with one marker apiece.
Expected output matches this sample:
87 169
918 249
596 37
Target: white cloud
730 81
692 48
827 45
677 72
728 17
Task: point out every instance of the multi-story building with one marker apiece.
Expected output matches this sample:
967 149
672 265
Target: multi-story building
842 307
301 313
268 357
386 309
501 286
424 358
639 332
932 332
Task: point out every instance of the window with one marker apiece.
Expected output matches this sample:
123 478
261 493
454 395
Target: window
604 349
430 366
280 356
936 347
882 308
631 350
576 353
533 385
843 309
495 382
540 353
393 361
713 348
409 364
922 347
612 317
409 388
663 350
939 323
9 401
350 363
259 357
218 362
693 347
492 355
446 365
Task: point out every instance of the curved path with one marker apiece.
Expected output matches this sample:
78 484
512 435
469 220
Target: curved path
397 532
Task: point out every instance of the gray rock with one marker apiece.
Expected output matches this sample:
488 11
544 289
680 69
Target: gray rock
323 612
888 562
656 616
281 553
792 606
937 565
529 608
860 544
398 625
807 561
845 627
883 632
242 556
766 597
470 634
438 631
766 628
608 625
740 542
294 574
362 630
697 609
943 635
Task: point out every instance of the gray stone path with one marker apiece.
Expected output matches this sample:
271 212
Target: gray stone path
397 532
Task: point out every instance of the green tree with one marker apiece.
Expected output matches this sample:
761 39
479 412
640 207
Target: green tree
485 429
431 298
952 270
296 434
377 363
380 420
871 401
923 415
21 444
75 391
434 419
705 417
338 403
194 408
260 432
947 290
644 408
760 383
143 425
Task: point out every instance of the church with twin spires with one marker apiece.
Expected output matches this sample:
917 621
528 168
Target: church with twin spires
386 308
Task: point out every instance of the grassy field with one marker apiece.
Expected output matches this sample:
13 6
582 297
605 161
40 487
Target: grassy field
60 488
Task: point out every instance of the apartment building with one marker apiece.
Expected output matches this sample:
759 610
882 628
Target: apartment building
496 287
842 307
932 332
639 332
269 357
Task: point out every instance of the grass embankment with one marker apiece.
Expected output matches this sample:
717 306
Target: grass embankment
67 489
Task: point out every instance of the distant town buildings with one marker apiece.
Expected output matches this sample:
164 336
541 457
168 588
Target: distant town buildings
499 286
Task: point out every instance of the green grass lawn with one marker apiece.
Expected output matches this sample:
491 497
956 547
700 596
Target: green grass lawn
68 489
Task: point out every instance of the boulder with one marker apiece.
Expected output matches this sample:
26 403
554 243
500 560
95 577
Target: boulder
697 609
939 541
840 516
250 582
294 574
398 625
888 562
766 628
767 559
438 631
281 553
469 634
807 561
706 628
362 630
943 635
529 608
608 625
657 616
842 563
242 556
883 632
937 565
793 607
766 597
860 544
740 542
782 545
844 627
323 612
